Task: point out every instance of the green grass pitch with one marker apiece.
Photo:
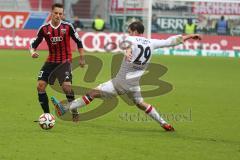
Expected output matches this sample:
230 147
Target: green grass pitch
204 105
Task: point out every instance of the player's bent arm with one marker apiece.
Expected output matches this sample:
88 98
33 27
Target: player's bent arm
81 52
81 60
36 43
77 39
33 47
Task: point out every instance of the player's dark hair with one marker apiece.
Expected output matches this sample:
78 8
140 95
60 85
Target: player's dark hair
57 5
137 26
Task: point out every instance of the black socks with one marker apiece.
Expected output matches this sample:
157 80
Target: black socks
70 96
43 100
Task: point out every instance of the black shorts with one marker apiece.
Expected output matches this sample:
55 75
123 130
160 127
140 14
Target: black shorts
52 71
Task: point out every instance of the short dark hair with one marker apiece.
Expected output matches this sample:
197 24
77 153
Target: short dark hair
137 26
58 5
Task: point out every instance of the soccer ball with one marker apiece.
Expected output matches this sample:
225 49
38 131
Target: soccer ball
46 121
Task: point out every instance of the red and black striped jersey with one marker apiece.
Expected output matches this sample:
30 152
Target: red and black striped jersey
58 41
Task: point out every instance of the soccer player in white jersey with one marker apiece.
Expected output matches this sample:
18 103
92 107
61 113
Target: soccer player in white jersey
137 57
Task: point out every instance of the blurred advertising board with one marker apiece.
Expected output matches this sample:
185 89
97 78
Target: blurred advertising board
217 8
118 5
22 20
228 46
170 24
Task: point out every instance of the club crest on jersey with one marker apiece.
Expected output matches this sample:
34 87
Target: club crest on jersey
63 31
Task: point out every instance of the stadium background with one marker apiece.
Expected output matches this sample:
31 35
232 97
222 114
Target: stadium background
18 28
203 105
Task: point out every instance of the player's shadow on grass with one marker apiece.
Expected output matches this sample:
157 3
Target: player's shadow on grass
183 136
130 129
156 132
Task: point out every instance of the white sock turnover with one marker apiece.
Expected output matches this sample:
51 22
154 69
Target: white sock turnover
151 111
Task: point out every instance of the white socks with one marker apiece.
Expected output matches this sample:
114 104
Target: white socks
80 102
151 111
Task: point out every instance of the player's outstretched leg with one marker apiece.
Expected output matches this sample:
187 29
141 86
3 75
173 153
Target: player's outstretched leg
152 112
80 102
85 100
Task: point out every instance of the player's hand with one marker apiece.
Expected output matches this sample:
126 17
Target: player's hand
192 36
81 61
34 55
128 55
196 37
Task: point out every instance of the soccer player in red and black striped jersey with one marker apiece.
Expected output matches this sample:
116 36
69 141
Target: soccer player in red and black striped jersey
57 34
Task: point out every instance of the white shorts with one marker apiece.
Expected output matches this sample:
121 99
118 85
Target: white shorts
116 87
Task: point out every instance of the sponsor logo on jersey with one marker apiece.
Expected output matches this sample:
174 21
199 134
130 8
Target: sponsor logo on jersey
54 40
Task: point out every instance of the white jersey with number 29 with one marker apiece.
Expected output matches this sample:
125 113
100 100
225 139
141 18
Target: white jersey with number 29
127 79
142 49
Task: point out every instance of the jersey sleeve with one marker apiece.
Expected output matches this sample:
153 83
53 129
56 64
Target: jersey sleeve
171 41
75 36
38 40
